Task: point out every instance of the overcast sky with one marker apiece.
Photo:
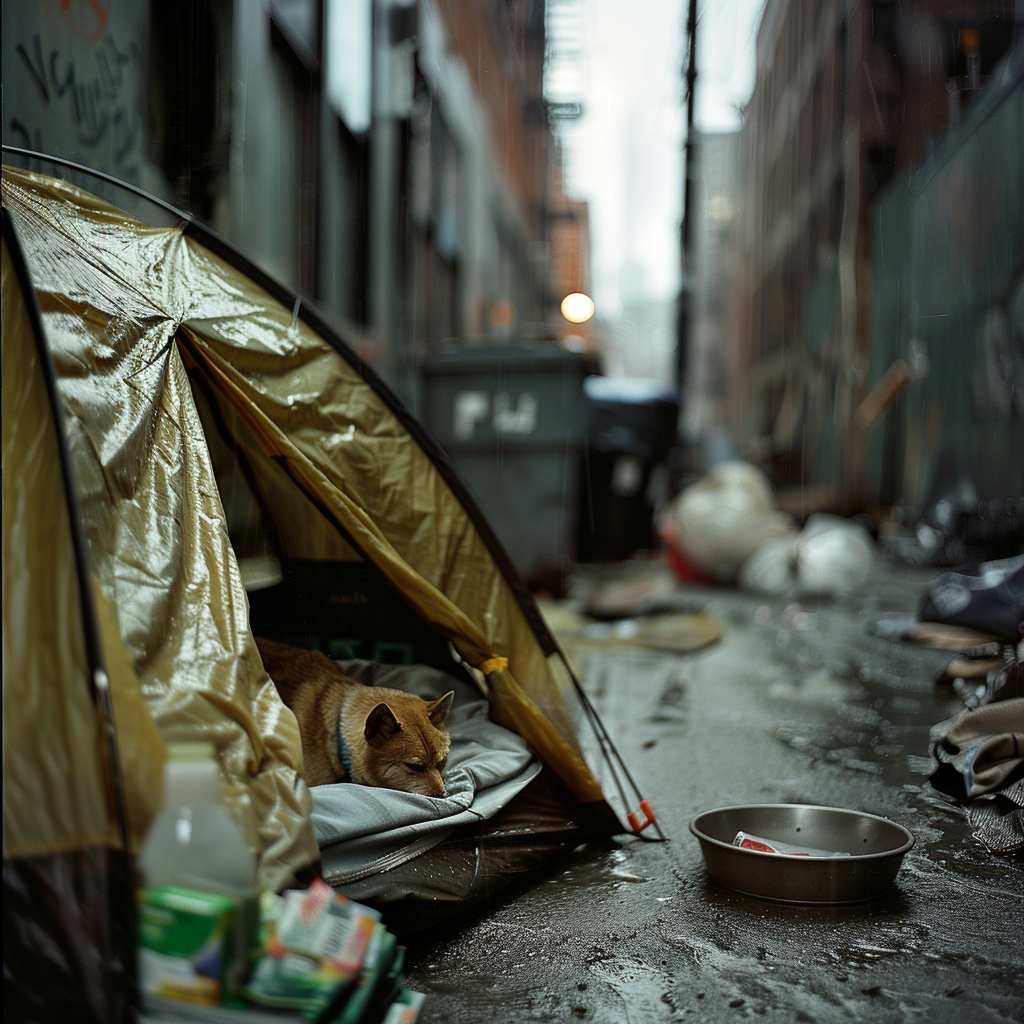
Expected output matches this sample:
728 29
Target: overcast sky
625 154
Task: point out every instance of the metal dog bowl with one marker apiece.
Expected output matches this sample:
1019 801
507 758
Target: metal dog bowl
876 847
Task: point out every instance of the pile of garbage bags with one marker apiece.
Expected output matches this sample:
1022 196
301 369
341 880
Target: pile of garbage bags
729 526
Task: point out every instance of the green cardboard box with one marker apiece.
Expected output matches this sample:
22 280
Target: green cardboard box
195 945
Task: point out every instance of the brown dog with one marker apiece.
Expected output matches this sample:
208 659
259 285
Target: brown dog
370 735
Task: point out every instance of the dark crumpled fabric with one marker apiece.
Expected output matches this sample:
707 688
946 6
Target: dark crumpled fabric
988 597
997 819
980 756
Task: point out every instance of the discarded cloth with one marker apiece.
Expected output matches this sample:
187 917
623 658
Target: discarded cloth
928 634
980 756
363 830
958 528
631 598
988 596
997 819
987 673
676 633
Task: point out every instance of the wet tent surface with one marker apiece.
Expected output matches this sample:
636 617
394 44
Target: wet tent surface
804 707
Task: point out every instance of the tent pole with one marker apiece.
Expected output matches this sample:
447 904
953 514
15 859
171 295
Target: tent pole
607 744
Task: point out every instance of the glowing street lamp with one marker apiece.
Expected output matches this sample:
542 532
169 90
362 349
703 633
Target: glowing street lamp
577 308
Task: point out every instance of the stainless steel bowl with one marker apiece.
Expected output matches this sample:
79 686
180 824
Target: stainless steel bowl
876 845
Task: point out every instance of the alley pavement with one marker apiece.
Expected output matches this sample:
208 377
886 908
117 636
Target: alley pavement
795 704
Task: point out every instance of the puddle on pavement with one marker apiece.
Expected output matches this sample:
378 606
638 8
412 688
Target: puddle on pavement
762 980
598 865
643 989
821 685
889 941
865 722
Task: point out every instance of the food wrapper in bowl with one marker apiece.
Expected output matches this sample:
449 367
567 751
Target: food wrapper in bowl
745 841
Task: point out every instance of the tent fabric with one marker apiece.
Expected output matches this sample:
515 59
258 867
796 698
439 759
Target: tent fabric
55 796
141 750
69 939
129 312
69 949
150 507
363 831
372 480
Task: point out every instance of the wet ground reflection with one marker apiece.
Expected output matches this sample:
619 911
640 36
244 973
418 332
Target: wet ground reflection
799 704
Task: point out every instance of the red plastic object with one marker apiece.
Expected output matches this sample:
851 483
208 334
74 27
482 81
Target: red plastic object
681 567
634 821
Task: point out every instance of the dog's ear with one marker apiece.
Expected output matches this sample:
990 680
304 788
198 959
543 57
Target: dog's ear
437 710
381 724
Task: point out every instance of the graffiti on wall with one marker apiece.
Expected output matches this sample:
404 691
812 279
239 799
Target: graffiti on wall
72 85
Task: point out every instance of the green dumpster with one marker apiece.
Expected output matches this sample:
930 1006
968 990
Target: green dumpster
513 421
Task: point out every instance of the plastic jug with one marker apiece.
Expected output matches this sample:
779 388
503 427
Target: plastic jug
194 842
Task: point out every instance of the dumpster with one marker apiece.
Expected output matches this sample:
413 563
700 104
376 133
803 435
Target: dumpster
631 427
513 421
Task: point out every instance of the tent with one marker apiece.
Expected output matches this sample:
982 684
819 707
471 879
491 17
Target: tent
75 796
201 418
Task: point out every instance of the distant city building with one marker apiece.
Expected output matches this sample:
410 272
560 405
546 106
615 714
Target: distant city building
847 96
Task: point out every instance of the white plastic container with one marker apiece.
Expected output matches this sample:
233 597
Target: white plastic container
198 912
195 843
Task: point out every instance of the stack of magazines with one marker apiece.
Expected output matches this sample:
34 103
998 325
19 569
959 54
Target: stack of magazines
321 958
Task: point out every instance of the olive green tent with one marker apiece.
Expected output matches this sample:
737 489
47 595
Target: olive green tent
208 416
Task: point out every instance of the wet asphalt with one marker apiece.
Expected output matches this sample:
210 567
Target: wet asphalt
796 703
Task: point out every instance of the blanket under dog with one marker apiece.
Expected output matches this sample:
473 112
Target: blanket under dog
363 831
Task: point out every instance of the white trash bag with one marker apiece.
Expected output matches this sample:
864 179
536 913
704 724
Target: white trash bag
771 569
831 556
725 517
834 555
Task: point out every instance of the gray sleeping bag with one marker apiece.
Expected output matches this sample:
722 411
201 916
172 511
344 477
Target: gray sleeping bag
365 830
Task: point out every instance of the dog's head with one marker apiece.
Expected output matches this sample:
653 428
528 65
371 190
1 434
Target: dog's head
407 744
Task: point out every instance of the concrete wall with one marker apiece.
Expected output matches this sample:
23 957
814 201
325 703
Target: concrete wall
74 83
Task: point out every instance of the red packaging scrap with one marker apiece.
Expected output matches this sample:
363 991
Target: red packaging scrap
745 841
